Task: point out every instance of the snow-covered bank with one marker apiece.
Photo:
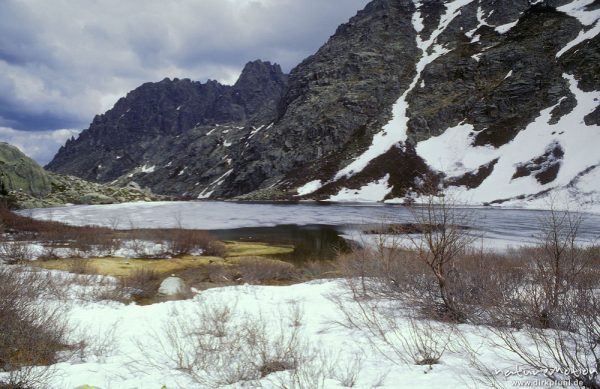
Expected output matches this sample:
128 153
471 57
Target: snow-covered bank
127 351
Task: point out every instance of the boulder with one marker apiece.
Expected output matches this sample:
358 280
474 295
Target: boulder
172 286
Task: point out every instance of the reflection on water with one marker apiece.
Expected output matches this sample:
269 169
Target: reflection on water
311 242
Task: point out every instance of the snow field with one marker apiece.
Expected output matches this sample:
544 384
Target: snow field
129 346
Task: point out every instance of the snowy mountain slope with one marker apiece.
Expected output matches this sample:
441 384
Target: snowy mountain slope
498 102
527 165
497 157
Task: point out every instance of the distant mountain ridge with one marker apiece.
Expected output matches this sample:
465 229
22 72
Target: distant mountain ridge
143 126
499 103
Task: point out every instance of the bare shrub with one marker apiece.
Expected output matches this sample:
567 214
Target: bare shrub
175 242
32 335
484 282
94 240
257 269
108 289
405 339
14 252
142 283
384 269
310 374
51 230
558 263
441 245
347 374
186 242
50 251
546 281
145 249
96 343
219 273
561 354
218 345
318 269
551 320
215 248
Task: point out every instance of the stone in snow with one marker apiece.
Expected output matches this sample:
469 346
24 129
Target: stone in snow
171 286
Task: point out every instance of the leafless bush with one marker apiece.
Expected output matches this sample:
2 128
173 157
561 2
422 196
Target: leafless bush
483 282
215 248
96 343
561 354
440 246
94 240
142 283
481 374
406 340
348 374
145 249
550 316
218 345
558 262
317 269
310 374
186 242
31 334
107 289
14 252
50 251
174 242
257 269
423 268
385 271
83 238
219 273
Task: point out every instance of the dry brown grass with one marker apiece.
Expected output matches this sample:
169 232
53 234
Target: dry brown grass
244 249
123 267
80 266
260 270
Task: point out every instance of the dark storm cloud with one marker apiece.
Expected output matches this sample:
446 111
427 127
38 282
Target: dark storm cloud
63 61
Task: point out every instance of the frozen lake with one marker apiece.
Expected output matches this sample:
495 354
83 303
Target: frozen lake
499 226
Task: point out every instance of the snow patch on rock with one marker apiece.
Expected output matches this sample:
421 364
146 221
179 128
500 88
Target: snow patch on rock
373 192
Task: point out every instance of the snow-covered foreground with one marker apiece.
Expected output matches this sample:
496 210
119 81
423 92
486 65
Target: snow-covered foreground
499 227
130 347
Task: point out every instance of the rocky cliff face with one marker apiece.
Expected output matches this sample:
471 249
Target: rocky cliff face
498 102
162 134
20 173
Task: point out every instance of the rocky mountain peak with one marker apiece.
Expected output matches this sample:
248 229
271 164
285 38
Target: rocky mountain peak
258 74
259 88
467 94
142 124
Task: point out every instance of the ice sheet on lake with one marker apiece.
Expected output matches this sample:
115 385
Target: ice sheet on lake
515 225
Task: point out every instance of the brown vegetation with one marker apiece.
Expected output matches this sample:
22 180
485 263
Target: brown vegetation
540 301
31 334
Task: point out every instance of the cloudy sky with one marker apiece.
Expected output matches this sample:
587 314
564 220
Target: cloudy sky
64 61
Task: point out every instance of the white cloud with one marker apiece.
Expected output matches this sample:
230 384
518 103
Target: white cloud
41 145
63 58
